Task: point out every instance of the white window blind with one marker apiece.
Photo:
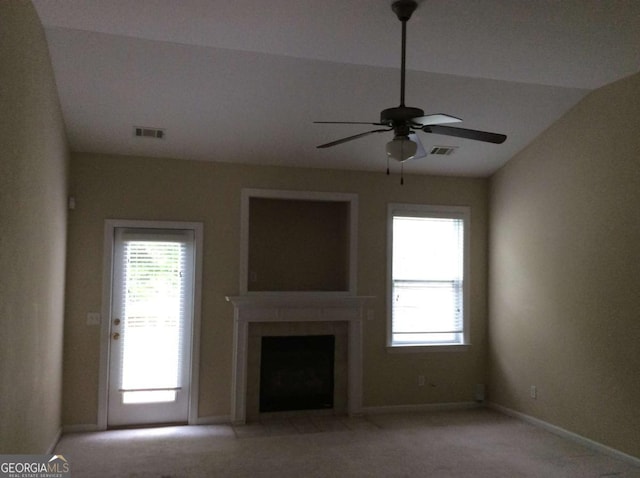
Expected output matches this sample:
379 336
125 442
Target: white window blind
427 278
155 287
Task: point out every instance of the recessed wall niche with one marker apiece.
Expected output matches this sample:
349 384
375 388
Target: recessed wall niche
298 241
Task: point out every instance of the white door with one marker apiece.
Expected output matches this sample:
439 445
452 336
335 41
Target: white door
151 324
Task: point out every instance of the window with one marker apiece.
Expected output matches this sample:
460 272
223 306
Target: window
428 273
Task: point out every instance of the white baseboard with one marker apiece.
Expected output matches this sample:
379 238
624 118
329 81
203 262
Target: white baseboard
55 441
214 420
81 428
92 427
594 445
422 407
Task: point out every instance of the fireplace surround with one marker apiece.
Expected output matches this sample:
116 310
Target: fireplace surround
303 311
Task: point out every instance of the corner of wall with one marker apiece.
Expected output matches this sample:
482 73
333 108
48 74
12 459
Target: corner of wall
33 184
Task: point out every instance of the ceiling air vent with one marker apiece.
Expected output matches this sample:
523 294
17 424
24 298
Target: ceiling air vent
145 132
442 150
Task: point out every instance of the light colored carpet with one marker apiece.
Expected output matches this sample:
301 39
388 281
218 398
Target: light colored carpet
471 443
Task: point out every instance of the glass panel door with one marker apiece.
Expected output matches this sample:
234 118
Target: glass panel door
150 340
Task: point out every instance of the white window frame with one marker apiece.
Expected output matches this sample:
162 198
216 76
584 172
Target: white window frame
423 210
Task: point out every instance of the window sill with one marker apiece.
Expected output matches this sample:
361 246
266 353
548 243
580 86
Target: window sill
428 348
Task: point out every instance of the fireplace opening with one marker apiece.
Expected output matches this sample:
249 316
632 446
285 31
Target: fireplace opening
297 373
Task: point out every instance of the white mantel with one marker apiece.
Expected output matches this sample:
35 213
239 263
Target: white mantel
303 307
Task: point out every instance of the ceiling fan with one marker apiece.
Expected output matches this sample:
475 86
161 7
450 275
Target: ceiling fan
404 121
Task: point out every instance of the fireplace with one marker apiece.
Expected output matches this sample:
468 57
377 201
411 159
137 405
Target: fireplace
297 373
310 314
261 333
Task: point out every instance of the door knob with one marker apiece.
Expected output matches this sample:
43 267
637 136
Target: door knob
116 322
116 336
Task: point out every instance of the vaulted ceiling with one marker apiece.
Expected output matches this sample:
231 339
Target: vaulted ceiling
243 80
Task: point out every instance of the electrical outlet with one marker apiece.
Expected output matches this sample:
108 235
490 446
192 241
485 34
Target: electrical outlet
533 392
421 381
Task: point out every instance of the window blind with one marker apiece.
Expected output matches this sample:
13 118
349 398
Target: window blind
427 280
154 289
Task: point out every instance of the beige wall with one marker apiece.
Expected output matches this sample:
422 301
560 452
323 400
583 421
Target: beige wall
33 167
565 271
162 189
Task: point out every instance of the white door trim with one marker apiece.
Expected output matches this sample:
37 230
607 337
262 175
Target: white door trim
107 271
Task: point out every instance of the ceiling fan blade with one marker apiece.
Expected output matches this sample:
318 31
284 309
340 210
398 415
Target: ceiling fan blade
350 138
439 118
466 133
348 122
420 151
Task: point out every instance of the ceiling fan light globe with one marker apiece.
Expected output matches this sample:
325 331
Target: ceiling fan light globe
401 149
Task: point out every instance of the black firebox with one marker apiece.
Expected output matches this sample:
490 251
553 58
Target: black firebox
296 373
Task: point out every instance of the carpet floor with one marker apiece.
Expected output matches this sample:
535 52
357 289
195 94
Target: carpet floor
469 443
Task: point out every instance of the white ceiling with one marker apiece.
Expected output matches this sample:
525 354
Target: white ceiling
243 80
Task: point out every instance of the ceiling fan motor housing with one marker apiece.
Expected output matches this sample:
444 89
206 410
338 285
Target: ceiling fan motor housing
399 115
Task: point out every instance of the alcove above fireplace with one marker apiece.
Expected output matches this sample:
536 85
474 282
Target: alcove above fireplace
298 242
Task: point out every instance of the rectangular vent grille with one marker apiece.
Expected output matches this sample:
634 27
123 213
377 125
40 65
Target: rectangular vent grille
442 150
144 132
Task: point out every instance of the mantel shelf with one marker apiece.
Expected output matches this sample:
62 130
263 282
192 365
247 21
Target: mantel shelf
306 299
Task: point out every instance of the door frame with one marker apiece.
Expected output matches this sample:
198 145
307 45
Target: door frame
105 329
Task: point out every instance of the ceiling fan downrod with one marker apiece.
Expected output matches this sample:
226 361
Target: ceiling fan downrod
403 10
400 116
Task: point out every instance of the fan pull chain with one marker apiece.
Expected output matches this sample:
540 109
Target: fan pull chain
387 165
401 174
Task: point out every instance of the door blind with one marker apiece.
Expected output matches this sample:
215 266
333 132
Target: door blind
155 289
